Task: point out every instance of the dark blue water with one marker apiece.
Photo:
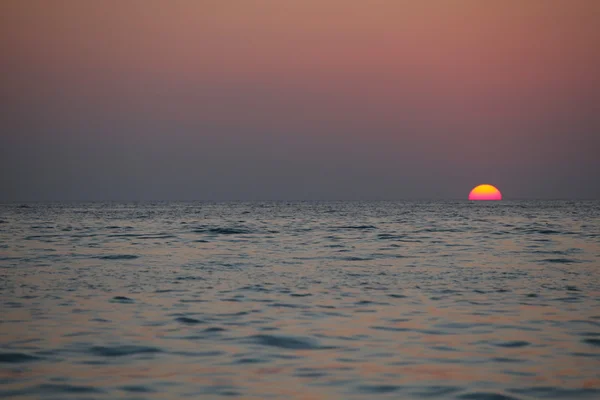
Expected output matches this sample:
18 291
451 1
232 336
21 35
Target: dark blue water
332 300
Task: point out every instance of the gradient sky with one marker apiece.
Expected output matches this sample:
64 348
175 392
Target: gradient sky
311 99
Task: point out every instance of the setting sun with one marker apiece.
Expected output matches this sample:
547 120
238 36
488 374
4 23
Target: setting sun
485 192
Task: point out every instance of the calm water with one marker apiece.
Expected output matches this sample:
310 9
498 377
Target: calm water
409 300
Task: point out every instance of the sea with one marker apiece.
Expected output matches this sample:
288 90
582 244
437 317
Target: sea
300 300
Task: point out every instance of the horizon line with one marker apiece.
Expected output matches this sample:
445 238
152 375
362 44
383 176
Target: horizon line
288 200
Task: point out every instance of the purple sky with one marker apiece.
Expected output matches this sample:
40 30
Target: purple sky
312 99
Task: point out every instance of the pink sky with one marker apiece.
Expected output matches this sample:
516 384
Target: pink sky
463 91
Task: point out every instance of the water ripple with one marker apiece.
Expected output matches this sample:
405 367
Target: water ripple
295 300
286 342
121 351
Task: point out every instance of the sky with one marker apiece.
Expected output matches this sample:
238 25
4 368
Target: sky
298 100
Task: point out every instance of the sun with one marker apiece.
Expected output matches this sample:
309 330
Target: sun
485 192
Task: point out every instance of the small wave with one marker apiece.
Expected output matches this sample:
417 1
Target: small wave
507 360
119 257
125 235
390 328
354 258
585 322
141 236
287 305
369 302
554 252
247 360
440 230
485 396
286 342
122 299
546 392
189 321
8 258
389 236
539 231
15 358
40 237
65 388
549 232
160 236
214 329
590 334
435 391
223 230
459 325
560 260
592 341
236 314
421 331
256 288
513 344
357 227
190 278
378 388
120 351
137 389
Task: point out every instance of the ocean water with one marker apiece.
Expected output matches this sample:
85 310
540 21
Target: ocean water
301 300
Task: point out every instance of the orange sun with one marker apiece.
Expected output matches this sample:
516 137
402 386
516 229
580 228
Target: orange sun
485 192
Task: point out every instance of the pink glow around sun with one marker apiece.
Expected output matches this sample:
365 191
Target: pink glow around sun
485 192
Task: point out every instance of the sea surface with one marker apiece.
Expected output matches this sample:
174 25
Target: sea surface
300 300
